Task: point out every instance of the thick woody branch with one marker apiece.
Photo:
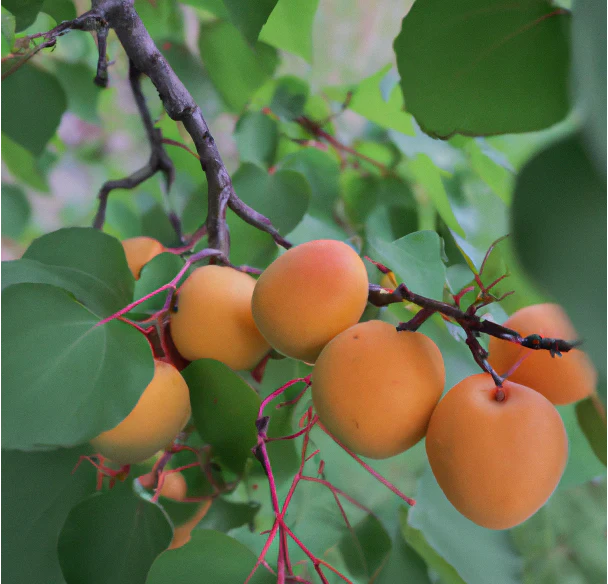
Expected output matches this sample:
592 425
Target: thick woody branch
159 160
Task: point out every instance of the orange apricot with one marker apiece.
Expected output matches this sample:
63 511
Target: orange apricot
496 461
375 388
181 533
562 380
139 251
174 486
161 413
214 320
307 296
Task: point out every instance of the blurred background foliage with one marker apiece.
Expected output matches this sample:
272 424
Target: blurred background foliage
546 187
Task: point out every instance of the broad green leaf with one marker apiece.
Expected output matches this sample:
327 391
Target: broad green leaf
367 100
282 197
42 491
416 261
16 211
224 409
477 554
25 12
122 221
417 540
389 223
559 234
425 173
249 16
323 173
496 176
480 67
76 79
65 380
60 10
249 245
215 7
565 541
256 136
22 165
365 549
289 98
155 223
582 465
235 68
32 127
7 25
156 273
93 261
592 420
131 532
178 512
289 27
224 515
216 556
589 75
163 20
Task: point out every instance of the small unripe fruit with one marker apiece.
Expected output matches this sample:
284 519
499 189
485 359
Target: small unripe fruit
562 380
139 251
181 534
308 295
496 456
161 413
375 388
214 320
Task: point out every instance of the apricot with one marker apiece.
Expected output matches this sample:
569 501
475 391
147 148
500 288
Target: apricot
307 296
214 320
174 486
161 413
375 388
139 251
496 461
562 380
181 534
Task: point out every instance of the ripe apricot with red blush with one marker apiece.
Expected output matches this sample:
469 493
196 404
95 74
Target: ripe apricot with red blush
562 380
497 457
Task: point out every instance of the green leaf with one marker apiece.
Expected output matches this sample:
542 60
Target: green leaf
323 174
289 98
249 16
477 554
423 170
256 136
592 420
217 556
16 211
22 165
282 197
60 10
93 261
122 221
65 380
156 273
589 75
224 409
131 532
367 100
43 490
558 224
365 549
583 464
417 540
289 27
235 68
76 79
225 515
179 512
480 67
416 261
7 22
163 20
155 223
565 541
496 176
25 12
29 121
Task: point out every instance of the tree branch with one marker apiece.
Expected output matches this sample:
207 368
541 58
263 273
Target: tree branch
159 160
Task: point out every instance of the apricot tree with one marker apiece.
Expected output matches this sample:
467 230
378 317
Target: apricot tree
235 351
